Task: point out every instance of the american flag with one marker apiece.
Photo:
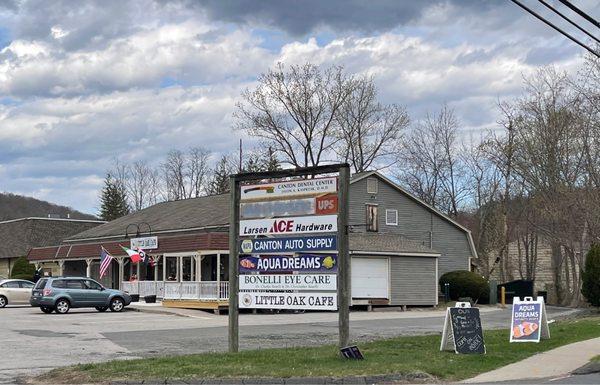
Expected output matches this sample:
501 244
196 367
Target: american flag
105 260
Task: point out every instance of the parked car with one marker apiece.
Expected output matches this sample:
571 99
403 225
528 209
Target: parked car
15 291
63 293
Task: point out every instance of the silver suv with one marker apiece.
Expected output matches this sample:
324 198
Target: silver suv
63 293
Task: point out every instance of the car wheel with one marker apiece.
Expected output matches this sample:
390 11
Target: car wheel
116 304
101 308
47 309
3 301
62 306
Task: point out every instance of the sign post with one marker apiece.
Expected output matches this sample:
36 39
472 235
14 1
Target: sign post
297 272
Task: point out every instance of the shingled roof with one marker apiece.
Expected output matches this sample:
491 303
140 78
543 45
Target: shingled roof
189 214
17 236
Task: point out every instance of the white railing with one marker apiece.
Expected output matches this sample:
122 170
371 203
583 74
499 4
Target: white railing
209 290
144 288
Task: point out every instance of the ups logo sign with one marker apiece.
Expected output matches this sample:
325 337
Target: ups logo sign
327 204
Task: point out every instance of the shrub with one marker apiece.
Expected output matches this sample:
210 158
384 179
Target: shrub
466 284
591 276
22 269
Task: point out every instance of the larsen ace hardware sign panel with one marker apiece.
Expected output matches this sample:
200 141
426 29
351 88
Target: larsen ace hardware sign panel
294 225
302 187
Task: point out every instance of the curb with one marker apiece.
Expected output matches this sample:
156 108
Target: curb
417 377
157 311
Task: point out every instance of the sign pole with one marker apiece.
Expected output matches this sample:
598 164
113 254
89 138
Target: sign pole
234 226
343 258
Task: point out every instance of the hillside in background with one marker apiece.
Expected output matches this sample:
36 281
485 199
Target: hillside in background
16 206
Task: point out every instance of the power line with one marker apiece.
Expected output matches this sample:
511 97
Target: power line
556 28
569 20
581 13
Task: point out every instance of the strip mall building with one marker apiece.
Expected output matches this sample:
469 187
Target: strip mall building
398 244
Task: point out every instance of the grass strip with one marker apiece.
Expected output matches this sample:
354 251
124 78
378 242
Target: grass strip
401 355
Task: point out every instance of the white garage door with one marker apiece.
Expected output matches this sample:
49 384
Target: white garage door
370 277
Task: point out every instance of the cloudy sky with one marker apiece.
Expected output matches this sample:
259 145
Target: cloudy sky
83 83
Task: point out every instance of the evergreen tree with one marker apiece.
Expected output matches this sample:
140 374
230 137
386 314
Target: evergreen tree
22 269
219 183
270 161
591 276
113 200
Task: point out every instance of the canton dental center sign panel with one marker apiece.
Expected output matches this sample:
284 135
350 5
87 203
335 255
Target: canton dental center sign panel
293 301
304 187
288 282
293 225
288 244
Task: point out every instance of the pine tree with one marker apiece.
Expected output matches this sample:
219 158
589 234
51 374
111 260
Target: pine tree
113 200
270 161
219 183
591 276
22 269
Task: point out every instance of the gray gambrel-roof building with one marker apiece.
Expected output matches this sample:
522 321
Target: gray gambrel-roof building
399 244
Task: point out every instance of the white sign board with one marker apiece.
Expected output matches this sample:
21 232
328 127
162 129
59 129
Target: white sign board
528 320
146 243
292 301
302 187
288 282
292 225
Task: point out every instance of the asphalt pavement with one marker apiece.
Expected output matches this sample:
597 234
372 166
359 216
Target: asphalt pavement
38 342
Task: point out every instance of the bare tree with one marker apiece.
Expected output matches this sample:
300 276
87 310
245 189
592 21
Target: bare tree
369 131
294 111
142 186
185 174
429 163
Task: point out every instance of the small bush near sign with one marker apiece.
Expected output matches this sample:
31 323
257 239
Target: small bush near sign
464 283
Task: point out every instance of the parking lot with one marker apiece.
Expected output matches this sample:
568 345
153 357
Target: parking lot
39 342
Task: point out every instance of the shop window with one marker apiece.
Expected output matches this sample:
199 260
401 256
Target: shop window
391 217
372 218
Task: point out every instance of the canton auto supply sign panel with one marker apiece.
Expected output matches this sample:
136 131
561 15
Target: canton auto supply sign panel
293 225
289 244
288 282
302 187
293 301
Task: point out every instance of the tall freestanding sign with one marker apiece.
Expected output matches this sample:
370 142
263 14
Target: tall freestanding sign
288 243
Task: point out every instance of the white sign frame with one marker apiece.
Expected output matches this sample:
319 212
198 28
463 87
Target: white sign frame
144 243
318 282
291 188
544 333
288 301
286 226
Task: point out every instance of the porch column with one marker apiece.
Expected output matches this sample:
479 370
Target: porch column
218 270
88 270
156 259
61 267
199 259
137 274
120 262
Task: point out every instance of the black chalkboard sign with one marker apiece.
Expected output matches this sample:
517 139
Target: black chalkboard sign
466 330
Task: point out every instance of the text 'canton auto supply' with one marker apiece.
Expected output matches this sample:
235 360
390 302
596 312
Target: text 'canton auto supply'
278 271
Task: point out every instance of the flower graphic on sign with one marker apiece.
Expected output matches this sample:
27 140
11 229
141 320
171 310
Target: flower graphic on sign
328 262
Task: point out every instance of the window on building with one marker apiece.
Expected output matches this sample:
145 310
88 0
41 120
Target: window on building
372 218
371 186
391 217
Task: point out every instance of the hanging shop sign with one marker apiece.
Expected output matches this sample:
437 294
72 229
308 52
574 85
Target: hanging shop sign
288 282
289 244
302 187
462 331
528 321
291 301
293 225
306 263
146 243
320 205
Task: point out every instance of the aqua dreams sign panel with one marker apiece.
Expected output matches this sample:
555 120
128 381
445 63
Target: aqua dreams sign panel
288 244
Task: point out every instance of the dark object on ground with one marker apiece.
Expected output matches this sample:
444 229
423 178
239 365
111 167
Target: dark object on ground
590 287
150 299
519 288
463 283
135 297
589 368
352 352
